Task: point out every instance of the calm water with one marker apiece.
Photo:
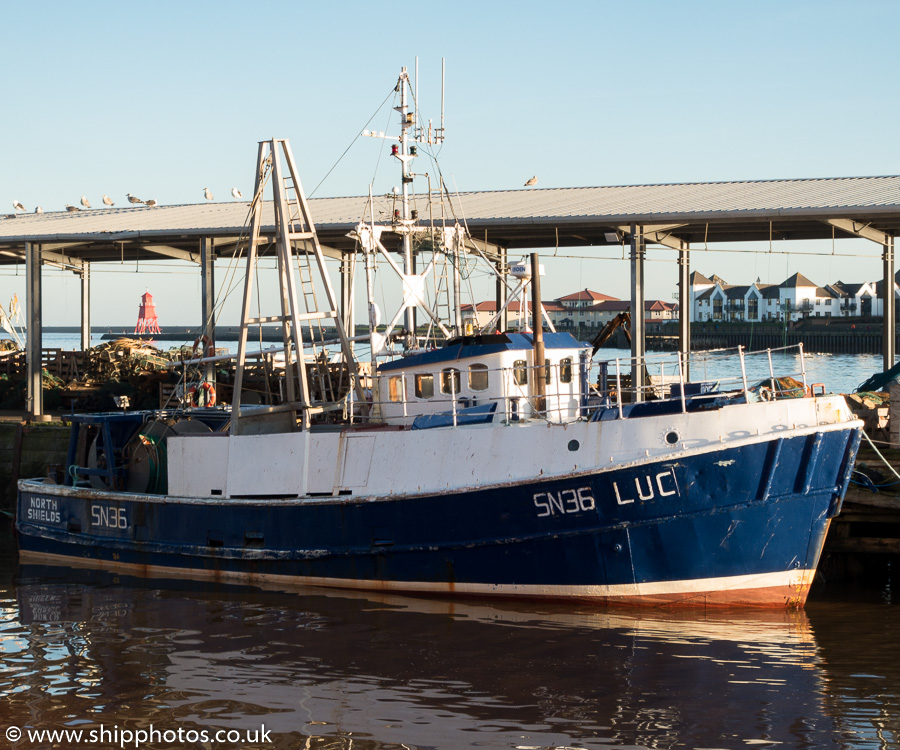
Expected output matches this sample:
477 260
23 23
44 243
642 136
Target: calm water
840 373
321 669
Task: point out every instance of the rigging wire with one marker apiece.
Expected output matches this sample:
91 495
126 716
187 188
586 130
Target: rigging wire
230 283
355 139
381 151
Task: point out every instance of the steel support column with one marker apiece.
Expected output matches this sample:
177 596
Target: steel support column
638 329
85 278
537 328
34 338
685 311
888 305
207 302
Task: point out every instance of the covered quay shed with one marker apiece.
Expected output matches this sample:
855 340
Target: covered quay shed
676 216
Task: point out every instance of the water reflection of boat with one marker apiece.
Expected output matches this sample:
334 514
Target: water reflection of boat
487 465
388 668
46 594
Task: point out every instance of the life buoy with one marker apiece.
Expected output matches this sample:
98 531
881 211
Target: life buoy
207 350
209 397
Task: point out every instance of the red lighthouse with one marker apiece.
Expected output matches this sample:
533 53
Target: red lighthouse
147 322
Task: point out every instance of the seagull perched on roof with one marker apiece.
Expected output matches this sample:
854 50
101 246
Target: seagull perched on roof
72 209
236 193
132 199
151 202
85 202
38 210
108 201
207 194
532 181
18 206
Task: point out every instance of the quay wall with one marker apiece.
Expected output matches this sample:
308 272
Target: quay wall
822 335
865 340
28 450
859 338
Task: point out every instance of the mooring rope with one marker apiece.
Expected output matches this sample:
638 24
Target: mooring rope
878 452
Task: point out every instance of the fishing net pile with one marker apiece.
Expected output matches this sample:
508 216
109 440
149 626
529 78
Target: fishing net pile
122 360
123 367
93 379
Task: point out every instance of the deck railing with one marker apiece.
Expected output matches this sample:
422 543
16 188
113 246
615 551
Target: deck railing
729 370
749 376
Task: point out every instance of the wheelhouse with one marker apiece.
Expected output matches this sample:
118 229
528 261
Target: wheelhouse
480 371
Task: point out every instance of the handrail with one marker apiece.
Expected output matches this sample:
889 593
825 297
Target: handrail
666 371
741 380
743 372
803 365
619 387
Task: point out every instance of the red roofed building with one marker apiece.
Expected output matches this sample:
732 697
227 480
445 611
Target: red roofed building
480 315
654 310
585 298
582 309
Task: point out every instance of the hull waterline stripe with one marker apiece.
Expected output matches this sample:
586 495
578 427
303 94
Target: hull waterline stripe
794 583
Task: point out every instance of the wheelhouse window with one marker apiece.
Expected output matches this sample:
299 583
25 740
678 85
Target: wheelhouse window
478 377
395 388
565 370
520 372
424 385
450 381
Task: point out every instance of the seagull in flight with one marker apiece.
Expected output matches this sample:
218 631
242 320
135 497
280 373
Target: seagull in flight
236 193
132 199
207 194
85 202
532 181
151 202
108 201
18 206
72 209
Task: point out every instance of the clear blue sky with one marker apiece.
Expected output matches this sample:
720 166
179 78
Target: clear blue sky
163 99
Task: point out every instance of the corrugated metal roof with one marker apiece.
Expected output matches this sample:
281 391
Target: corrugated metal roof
712 211
651 202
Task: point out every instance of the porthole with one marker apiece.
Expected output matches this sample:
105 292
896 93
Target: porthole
574 445
671 437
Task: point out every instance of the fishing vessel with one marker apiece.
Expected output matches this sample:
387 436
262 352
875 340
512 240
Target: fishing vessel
445 459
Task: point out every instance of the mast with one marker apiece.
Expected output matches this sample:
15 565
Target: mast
537 328
407 120
457 300
403 222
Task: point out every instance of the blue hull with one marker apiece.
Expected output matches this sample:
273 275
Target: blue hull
743 525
